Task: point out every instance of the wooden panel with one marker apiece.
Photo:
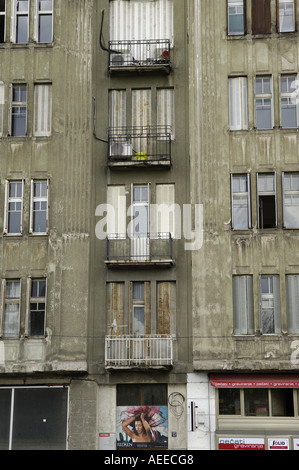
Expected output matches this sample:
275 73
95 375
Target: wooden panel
261 16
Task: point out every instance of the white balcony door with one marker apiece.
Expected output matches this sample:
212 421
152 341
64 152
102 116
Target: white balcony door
140 223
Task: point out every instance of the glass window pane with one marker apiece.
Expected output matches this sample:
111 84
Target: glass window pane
282 402
45 28
229 401
5 403
22 29
45 5
256 402
40 419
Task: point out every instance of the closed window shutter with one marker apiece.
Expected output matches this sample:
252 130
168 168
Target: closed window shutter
261 16
292 289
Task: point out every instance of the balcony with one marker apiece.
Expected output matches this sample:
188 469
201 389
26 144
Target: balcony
154 351
139 249
140 146
150 55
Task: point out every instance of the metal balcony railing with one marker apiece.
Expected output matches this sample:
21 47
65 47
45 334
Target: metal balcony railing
139 145
147 54
139 248
147 350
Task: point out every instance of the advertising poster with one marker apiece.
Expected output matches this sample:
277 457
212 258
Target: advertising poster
241 443
142 427
278 444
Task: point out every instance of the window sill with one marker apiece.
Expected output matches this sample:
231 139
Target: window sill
271 35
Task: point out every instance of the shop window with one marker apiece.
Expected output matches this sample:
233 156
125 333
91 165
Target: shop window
236 17
286 16
229 401
256 402
282 402
261 16
33 418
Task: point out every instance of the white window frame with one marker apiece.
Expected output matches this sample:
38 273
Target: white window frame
39 199
264 96
2 103
17 104
271 300
291 95
239 7
9 199
14 20
241 195
3 13
31 300
290 193
238 103
282 9
38 14
11 301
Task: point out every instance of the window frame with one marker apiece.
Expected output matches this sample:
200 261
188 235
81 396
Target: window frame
238 103
42 116
17 104
36 300
38 14
291 96
15 14
276 302
241 194
3 13
289 192
40 199
266 193
240 3
278 16
263 96
6 208
11 301
243 304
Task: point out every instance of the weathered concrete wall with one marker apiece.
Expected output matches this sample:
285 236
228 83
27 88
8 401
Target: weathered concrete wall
217 152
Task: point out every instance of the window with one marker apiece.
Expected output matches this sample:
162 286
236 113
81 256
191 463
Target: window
286 16
2 102
292 294
2 20
288 102
37 310
229 401
270 305
240 194
44 20
238 106
266 199
14 208
11 314
42 125
35 415
261 16
39 207
243 305
19 110
263 103
138 308
20 21
139 395
256 402
236 17
290 186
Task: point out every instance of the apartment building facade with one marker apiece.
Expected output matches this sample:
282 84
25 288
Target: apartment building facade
244 167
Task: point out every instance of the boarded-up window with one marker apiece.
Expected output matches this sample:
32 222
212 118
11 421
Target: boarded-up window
42 109
165 209
116 219
166 307
165 110
261 16
115 308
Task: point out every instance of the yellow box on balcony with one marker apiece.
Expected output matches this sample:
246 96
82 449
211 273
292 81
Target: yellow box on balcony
141 156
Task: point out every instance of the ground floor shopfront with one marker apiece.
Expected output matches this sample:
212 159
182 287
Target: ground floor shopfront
244 411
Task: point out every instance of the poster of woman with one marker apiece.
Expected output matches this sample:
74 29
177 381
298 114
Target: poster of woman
142 427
